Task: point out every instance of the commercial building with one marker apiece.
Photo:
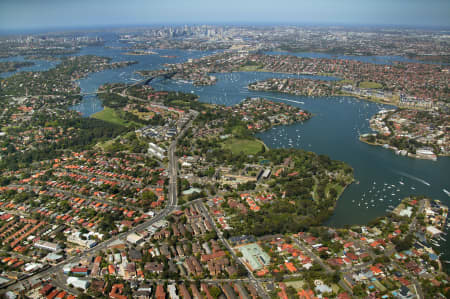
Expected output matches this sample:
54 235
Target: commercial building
78 283
134 238
77 239
254 256
47 246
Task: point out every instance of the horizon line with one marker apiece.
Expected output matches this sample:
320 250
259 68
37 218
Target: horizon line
95 27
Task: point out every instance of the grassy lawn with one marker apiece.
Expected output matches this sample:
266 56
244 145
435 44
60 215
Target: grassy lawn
248 146
297 285
180 103
251 68
110 115
346 81
367 84
106 144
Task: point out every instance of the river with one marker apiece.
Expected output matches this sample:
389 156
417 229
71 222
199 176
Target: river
382 178
362 58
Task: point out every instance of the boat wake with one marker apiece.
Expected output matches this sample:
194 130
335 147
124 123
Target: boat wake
413 178
287 100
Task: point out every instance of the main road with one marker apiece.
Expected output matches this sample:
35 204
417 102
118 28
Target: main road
170 206
259 288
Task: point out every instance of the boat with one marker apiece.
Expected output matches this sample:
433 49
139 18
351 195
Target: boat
446 192
401 183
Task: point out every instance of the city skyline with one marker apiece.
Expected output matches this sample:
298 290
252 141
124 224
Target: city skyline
224 149
29 15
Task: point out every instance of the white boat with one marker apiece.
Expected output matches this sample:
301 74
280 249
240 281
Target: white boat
446 192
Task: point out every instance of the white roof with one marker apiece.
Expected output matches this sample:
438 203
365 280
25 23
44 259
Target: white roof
406 212
78 283
133 238
432 230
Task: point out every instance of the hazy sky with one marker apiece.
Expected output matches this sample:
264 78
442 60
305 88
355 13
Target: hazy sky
34 14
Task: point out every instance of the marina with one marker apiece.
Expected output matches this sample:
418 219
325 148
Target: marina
384 178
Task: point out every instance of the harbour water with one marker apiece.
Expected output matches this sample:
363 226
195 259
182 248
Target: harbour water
39 65
368 59
383 177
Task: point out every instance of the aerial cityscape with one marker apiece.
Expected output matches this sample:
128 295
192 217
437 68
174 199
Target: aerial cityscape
207 149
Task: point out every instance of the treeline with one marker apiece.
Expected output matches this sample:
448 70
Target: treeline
11 66
295 209
182 100
113 100
90 131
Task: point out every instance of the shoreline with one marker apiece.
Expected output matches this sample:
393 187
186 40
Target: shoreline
341 93
409 155
346 94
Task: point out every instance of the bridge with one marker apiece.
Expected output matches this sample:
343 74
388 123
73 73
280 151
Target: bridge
144 81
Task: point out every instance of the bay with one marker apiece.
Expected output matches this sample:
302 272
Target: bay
388 60
382 178
39 65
